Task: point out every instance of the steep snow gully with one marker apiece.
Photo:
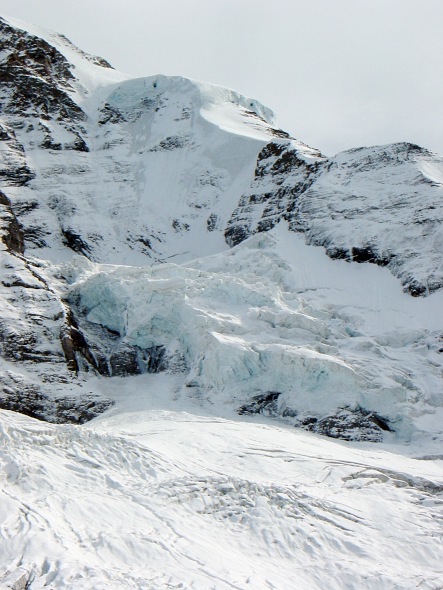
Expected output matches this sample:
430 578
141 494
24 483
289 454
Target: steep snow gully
220 350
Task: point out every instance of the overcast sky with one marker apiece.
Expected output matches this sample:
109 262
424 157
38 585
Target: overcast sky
338 73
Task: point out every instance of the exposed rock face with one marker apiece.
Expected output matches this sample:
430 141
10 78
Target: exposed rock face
36 77
76 409
14 170
347 424
380 205
31 314
13 236
281 176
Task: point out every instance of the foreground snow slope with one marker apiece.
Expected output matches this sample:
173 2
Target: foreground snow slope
160 495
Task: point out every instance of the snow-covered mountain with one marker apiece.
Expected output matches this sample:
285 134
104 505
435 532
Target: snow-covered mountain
154 169
169 255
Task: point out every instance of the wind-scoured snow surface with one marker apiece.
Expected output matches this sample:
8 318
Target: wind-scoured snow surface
169 314
159 496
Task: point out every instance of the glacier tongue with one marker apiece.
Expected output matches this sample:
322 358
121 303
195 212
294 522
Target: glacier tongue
322 335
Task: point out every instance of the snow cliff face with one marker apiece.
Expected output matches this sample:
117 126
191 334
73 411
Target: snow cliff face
160 170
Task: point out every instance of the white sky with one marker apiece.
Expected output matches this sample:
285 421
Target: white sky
338 73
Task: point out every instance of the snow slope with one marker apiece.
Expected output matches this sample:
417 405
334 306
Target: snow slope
347 200
126 171
159 495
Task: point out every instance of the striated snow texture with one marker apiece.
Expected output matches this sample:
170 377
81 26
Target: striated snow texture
159 495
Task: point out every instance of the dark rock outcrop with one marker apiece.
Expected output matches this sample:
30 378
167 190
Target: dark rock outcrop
62 410
266 404
12 230
75 242
74 344
35 76
281 175
347 424
357 424
14 169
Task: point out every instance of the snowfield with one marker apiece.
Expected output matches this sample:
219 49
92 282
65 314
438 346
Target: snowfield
160 494
175 342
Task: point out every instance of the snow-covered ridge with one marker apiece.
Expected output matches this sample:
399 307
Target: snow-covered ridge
381 204
89 69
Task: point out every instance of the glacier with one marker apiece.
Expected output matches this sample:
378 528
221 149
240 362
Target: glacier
243 323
